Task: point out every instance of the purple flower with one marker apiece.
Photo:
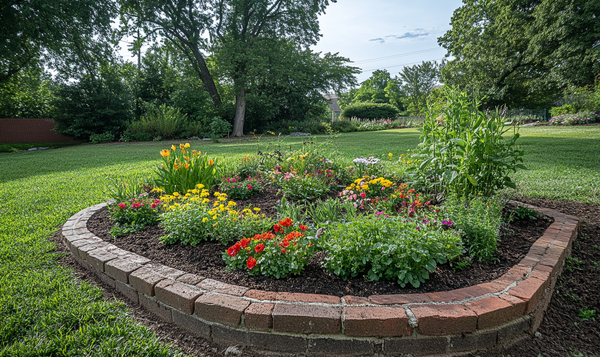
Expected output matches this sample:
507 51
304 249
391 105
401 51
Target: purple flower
417 228
425 221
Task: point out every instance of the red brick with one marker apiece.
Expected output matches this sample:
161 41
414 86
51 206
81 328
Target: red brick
472 341
513 330
258 316
492 312
165 271
541 273
191 279
355 300
529 290
261 295
399 299
223 309
444 319
338 347
296 297
222 288
448 296
494 286
157 308
529 261
307 319
415 346
98 257
144 280
120 269
368 321
177 295
518 304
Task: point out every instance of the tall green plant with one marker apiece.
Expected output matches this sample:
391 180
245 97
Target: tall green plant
464 150
163 121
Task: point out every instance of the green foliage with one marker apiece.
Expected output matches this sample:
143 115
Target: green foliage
565 109
26 94
219 127
463 149
92 105
586 314
192 220
521 213
162 121
418 81
389 248
480 219
127 189
107 137
290 210
237 189
331 210
279 255
134 215
300 188
370 111
182 170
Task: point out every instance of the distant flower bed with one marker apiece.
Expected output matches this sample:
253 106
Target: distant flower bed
575 119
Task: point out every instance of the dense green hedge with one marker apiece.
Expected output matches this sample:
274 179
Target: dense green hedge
370 111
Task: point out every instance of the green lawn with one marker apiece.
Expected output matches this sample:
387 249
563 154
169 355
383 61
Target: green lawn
45 311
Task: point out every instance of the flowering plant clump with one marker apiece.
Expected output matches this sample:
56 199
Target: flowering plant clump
193 217
575 119
135 214
181 170
238 189
283 251
368 166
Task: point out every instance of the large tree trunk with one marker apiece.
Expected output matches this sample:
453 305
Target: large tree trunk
240 113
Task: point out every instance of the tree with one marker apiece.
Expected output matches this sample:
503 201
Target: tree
50 30
373 89
418 80
234 30
26 94
522 53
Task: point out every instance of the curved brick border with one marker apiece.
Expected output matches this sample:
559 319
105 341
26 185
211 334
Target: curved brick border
453 322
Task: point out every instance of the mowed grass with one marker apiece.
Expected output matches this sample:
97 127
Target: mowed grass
46 311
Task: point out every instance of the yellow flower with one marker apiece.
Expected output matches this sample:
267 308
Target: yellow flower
165 153
231 203
210 162
173 147
215 216
257 209
204 220
176 194
199 186
206 200
390 155
187 145
216 194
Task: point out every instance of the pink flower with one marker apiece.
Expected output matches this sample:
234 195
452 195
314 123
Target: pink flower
249 186
363 195
135 205
383 189
122 205
153 205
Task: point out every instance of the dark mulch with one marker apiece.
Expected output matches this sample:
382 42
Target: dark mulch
206 260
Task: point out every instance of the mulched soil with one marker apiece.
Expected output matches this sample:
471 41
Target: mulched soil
205 259
562 333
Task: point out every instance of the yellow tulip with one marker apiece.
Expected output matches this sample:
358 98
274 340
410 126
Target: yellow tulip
173 147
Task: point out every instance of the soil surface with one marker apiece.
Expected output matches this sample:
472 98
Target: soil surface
205 259
561 334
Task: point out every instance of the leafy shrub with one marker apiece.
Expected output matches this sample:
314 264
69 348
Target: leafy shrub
331 210
281 254
480 219
126 190
237 189
163 121
565 109
190 219
297 188
182 170
134 215
463 149
367 110
575 119
106 137
389 248
287 209
219 127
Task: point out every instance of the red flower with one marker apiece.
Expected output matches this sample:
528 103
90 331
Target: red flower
135 205
303 228
251 263
286 222
286 243
283 250
237 247
122 205
259 248
244 242
277 228
231 252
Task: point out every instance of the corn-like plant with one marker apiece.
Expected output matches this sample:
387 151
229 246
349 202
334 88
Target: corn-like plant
464 150
182 170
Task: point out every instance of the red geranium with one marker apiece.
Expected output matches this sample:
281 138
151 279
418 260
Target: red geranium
251 262
277 228
303 227
259 248
286 222
282 250
231 252
244 242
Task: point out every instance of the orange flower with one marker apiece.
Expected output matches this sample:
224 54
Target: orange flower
176 167
187 166
210 162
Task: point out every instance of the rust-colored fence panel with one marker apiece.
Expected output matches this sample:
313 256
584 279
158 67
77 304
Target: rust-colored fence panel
30 131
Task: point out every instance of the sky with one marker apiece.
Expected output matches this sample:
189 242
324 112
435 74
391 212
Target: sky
385 34
380 34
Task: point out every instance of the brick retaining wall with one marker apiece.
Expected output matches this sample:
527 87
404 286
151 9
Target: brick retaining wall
30 131
455 322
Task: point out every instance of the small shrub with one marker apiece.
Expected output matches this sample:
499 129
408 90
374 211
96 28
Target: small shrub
298 188
237 189
181 170
191 218
134 215
389 248
279 255
163 121
106 137
220 128
368 110
480 219
565 109
125 190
